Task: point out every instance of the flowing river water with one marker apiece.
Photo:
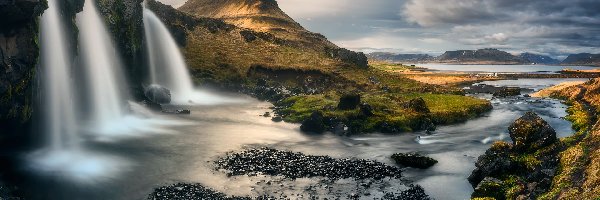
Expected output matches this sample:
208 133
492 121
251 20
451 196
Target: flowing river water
129 168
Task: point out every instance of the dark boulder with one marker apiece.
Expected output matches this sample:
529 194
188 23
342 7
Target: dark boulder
277 119
417 105
158 94
349 102
366 109
507 92
496 161
414 160
531 132
314 123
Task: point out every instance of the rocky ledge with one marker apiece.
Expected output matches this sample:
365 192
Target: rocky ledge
288 164
523 169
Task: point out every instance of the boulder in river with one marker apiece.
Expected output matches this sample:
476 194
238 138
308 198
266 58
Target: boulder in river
349 102
158 94
314 123
531 132
507 92
414 160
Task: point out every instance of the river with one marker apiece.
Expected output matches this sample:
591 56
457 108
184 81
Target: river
130 167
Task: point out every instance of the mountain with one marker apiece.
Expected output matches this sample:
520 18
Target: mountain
481 56
258 15
538 59
391 57
582 59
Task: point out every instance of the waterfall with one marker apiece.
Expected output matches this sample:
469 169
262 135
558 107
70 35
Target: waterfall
167 66
103 68
57 92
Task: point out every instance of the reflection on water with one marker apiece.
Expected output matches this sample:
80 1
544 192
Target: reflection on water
163 159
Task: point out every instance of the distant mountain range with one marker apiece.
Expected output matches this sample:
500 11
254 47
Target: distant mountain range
391 57
582 59
486 56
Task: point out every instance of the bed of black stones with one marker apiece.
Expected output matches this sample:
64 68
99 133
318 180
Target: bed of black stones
293 165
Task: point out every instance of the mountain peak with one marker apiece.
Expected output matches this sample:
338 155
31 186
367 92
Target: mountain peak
260 15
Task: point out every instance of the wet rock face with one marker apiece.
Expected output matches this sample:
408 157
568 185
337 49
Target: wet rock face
349 102
531 132
297 165
414 160
158 94
19 53
314 123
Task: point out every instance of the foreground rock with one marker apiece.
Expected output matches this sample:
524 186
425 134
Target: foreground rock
158 94
521 170
414 160
531 132
297 165
314 123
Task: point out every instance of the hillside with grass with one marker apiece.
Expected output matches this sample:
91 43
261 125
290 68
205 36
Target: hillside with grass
305 76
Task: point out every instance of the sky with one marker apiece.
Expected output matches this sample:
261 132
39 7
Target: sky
549 27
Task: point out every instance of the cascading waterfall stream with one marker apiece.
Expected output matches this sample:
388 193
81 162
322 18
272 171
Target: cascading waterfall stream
103 67
167 65
58 93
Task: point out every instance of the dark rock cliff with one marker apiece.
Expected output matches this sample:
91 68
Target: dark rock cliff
18 58
124 20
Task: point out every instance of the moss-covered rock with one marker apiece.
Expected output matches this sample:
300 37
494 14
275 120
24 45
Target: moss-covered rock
531 132
349 102
489 188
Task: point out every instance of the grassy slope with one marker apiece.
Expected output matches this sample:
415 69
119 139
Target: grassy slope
225 57
578 176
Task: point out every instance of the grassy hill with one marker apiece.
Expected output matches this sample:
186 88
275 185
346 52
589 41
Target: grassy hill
302 72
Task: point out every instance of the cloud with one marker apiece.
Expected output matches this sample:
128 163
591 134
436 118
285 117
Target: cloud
497 38
556 27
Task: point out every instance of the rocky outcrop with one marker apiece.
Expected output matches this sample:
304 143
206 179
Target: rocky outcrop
19 53
531 132
414 160
354 58
523 169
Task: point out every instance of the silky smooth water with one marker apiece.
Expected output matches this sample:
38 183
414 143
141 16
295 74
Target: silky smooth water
503 68
103 67
187 155
57 92
167 66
